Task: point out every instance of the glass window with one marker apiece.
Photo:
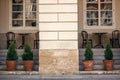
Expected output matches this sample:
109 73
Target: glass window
24 13
99 13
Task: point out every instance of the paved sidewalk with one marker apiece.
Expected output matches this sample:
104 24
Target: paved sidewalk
82 75
60 77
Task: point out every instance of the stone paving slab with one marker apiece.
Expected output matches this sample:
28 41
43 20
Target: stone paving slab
59 77
82 75
78 73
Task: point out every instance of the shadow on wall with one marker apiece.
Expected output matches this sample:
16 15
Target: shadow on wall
94 39
29 39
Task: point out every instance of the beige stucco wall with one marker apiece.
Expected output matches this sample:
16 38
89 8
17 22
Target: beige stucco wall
28 39
4 16
4 22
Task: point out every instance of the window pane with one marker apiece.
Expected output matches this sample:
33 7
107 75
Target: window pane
106 6
17 1
106 18
17 8
30 15
31 23
33 1
106 22
34 8
30 1
92 22
30 8
17 15
92 14
92 0
106 14
106 0
92 6
17 23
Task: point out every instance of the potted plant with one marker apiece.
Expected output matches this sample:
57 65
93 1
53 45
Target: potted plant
88 62
27 57
108 62
11 58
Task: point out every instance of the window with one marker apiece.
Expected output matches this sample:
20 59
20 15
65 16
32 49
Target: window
99 14
23 14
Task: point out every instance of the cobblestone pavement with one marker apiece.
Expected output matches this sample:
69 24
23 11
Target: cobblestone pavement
60 77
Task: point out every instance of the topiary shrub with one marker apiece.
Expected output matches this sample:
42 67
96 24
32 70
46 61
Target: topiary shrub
12 53
88 52
108 52
27 54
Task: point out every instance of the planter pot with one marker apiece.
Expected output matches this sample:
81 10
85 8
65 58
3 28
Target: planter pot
28 65
108 64
88 65
11 65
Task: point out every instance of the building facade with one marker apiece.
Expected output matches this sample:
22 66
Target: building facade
60 23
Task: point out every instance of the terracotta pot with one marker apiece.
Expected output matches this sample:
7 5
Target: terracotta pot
88 65
28 65
11 65
108 64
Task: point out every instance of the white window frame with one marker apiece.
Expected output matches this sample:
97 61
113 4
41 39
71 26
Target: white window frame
23 27
98 27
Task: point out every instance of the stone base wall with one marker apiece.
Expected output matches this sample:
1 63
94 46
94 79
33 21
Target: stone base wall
58 62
